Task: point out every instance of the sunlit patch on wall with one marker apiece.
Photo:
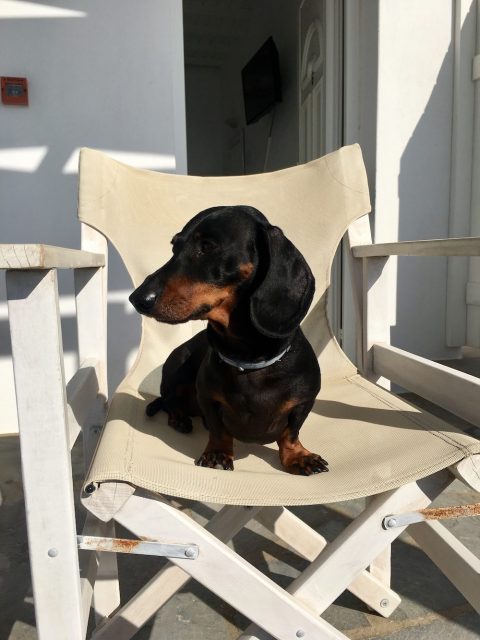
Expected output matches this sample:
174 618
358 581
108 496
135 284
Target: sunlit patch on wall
18 9
24 159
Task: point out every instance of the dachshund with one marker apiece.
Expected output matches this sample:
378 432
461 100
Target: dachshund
251 374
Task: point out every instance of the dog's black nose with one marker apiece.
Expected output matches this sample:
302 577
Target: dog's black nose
143 303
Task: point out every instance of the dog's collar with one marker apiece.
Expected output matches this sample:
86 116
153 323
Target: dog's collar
250 366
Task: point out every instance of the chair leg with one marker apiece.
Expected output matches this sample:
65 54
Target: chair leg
355 548
224 572
106 593
165 584
46 463
308 543
381 567
457 562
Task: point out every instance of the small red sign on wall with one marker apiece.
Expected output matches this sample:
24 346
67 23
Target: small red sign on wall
14 91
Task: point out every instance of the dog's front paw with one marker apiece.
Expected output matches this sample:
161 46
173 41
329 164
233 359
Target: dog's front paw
307 465
216 460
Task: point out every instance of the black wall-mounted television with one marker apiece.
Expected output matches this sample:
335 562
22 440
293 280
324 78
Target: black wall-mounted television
261 81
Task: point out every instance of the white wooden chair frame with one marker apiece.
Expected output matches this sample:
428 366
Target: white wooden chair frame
52 414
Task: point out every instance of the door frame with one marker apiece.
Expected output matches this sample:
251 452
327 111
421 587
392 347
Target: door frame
330 21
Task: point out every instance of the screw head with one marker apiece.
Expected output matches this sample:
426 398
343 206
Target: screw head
90 488
390 523
190 552
52 553
300 633
384 603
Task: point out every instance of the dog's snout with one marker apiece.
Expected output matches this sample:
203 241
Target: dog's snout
143 303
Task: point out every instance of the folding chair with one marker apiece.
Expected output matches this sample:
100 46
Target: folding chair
378 445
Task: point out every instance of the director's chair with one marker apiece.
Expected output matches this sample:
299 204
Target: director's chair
378 445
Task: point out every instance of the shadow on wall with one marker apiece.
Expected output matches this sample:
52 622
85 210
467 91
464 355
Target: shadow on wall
424 207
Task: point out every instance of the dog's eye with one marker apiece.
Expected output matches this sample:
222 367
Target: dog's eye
206 246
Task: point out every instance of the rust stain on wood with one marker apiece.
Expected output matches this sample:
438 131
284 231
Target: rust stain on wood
461 511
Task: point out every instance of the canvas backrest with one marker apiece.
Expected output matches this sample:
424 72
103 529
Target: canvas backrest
139 211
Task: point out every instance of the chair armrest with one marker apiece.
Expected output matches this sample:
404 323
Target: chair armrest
447 247
44 256
453 390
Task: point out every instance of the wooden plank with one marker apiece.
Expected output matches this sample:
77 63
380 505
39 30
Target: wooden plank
371 588
376 308
46 464
356 546
444 247
225 572
91 304
457 562
468 471
453 390
165 584
88 562
44 256
82 392
358 233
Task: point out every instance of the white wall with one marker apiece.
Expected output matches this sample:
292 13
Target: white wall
403 120
108 75
413 161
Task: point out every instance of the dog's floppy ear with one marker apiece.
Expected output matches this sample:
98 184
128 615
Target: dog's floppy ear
283 297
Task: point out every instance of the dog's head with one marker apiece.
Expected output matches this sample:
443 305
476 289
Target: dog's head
224 255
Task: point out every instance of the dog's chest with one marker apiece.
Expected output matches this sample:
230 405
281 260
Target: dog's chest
252 407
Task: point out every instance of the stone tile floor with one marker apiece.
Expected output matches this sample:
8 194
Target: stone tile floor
431 607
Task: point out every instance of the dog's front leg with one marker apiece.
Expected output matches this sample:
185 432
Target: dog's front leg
218 453
293 455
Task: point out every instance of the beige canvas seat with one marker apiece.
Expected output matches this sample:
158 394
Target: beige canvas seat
378 445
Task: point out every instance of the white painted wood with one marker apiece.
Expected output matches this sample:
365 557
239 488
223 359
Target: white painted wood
224 572
43 256
359 233
91 305
355 548
381 567
82 392
91 302
125 623
360 543
468 471
461 167
88 568
139 609
106 594
308 543
473 310
376 307
292 530
453 390
444 247
457 562
46 465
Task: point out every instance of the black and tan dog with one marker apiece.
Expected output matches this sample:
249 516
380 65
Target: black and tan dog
251 375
